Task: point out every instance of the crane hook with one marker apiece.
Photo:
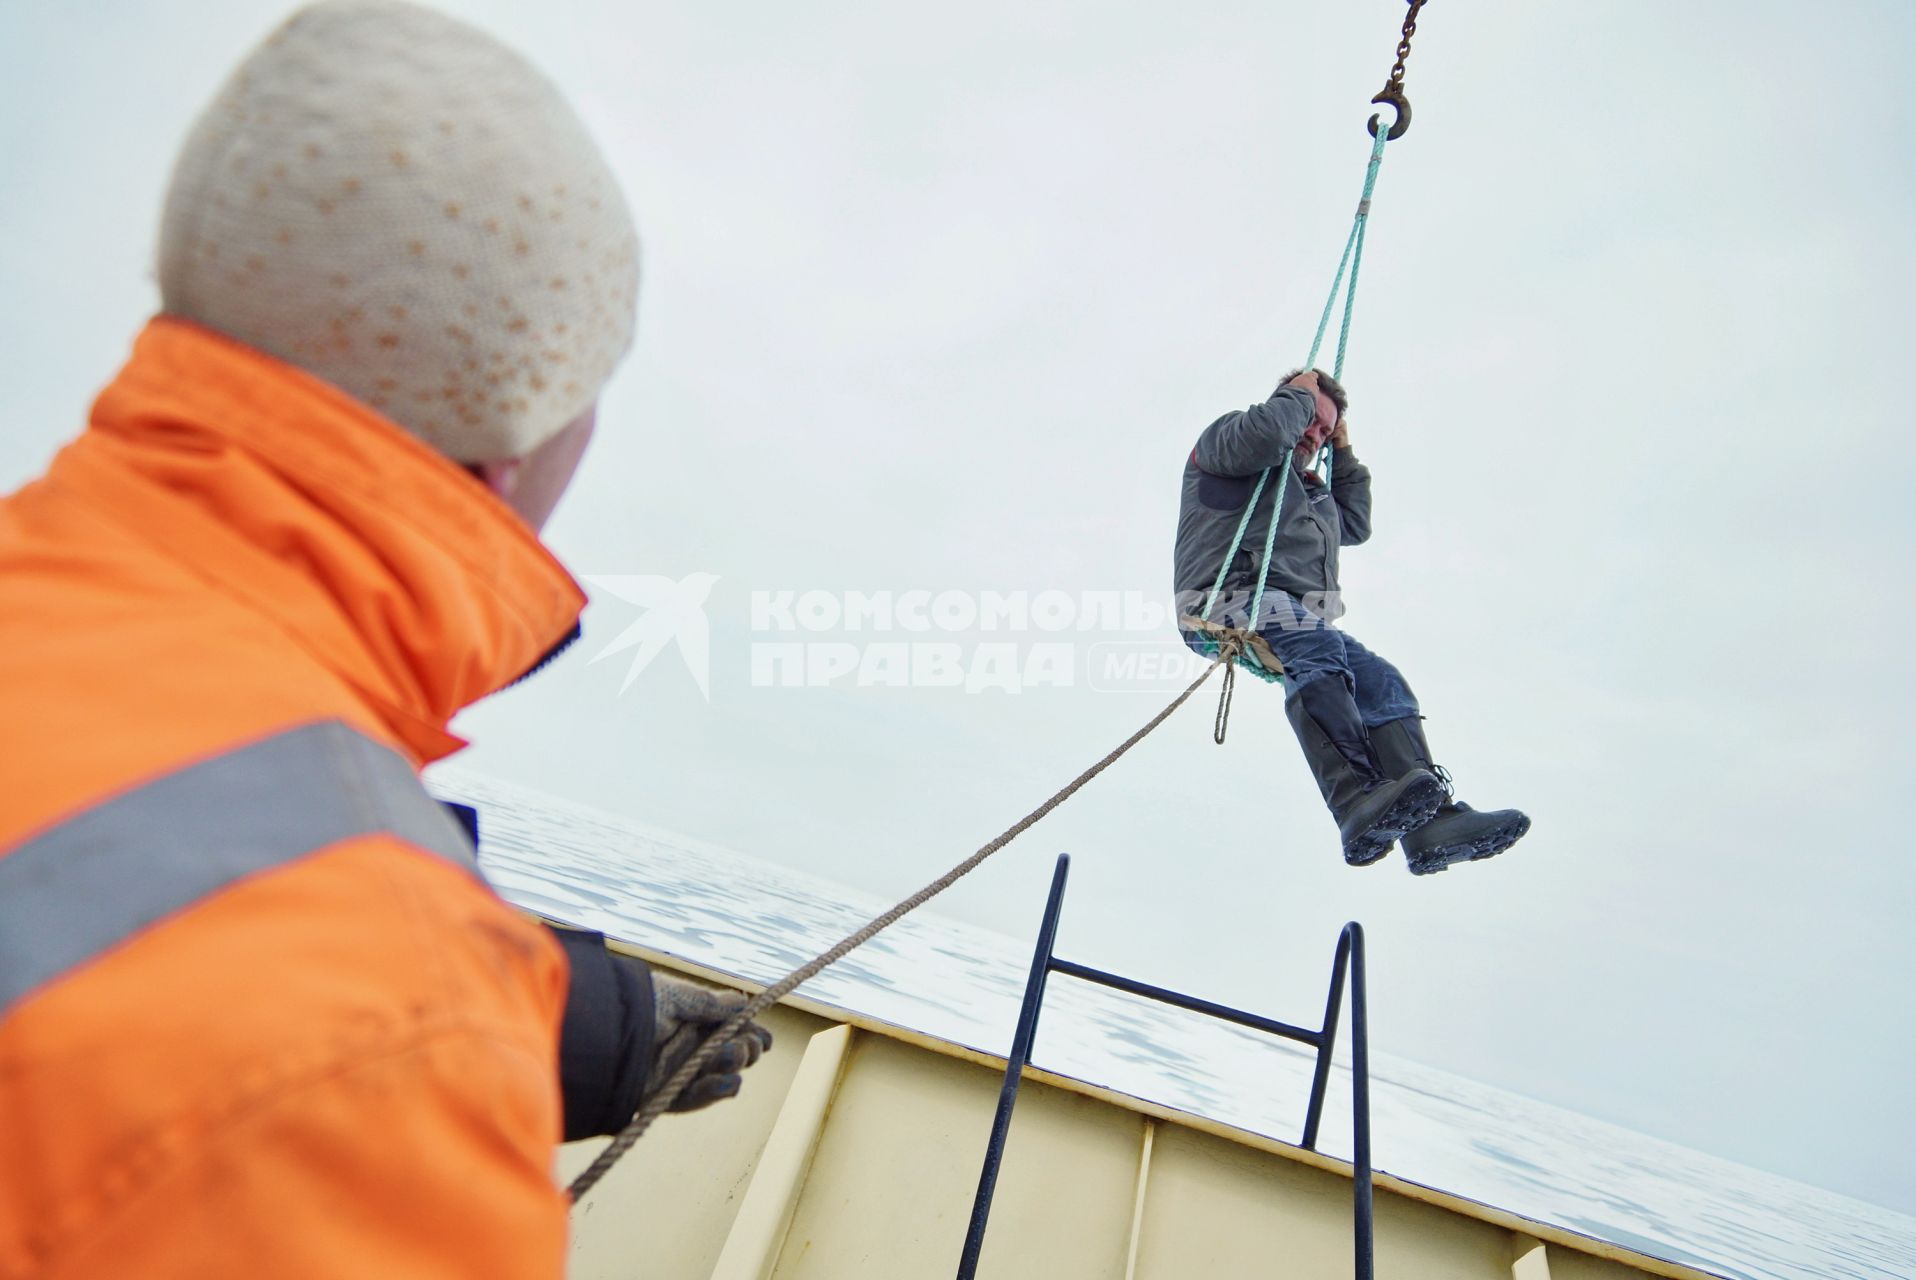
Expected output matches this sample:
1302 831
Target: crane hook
1393 97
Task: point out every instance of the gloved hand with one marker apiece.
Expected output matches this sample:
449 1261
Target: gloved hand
684 1014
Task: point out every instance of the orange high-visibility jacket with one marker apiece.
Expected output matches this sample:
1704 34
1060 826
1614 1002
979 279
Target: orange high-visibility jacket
258 1014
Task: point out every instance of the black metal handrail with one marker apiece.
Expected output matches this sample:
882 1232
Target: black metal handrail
1349 959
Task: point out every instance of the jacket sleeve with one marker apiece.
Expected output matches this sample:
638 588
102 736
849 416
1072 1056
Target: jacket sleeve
605 1043
1246 442
606 1039
1350 486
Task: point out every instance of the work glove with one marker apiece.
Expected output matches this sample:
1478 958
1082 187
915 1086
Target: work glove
684 1014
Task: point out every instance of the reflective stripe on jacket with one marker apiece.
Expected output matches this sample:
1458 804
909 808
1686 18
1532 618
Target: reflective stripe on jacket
258 1014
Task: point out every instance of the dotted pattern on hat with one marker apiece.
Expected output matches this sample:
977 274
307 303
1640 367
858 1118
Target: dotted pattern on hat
394 201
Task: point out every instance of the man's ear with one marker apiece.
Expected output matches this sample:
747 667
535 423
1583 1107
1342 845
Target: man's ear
502 477
533 483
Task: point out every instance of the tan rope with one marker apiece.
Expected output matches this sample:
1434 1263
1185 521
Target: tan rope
656 1105
1223 718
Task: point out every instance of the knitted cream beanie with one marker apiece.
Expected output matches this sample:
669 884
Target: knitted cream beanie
402 206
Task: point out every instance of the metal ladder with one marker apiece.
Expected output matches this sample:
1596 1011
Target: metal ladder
1349 955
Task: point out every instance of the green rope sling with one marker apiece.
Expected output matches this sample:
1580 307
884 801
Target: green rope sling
1353 258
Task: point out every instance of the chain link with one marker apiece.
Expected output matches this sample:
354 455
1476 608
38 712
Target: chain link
1396 80
1393 92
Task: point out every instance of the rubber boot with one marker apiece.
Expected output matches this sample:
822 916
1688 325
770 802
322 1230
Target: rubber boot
1458 833
1371 809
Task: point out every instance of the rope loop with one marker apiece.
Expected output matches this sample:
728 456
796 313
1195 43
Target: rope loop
1227 654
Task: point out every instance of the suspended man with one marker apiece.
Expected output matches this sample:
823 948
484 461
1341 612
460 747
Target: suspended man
1355 716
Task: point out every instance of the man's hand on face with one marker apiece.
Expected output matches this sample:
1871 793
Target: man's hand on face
1341 438
1326 420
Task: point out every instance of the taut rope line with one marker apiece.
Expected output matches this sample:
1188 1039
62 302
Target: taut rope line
658 1103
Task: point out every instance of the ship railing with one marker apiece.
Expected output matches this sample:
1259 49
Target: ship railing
1349 958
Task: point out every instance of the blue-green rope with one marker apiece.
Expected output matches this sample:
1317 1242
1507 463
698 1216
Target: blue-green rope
1359 225
1351 260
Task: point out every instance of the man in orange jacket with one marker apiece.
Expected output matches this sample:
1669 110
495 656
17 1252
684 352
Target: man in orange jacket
259 1014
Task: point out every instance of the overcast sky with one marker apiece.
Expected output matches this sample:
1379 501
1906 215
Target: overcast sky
937 298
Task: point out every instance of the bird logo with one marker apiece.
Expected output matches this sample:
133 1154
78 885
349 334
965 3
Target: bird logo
673 611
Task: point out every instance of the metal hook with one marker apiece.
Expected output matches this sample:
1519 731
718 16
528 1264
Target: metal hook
1393 97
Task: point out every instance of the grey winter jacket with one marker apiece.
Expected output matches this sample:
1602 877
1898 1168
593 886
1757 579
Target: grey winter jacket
1316 519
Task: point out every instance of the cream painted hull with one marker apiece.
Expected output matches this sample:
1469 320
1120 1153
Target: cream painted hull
854 1151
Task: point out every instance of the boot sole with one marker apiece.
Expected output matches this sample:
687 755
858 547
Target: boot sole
1444 857
1411 810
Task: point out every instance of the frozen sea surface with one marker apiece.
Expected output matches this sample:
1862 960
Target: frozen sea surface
962 983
